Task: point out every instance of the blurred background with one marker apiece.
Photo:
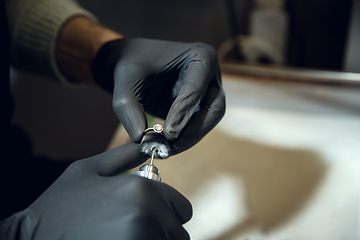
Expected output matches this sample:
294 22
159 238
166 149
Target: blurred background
312 34
283 163
316 34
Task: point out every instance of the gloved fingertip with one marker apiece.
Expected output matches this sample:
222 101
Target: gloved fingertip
137 137
118 160
188 213
170 133
134 122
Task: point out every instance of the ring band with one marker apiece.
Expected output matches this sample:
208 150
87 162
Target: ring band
156 128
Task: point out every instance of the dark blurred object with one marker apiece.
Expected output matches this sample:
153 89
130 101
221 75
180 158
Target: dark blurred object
61 122
186 21
352 60
238 26
318 32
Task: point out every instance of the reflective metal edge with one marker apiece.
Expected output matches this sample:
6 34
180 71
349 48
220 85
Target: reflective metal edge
293 74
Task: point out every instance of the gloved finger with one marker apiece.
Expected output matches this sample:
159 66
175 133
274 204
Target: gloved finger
160 194
116 160
210 112
195 76
180 205
161 225
188 99
127 106
174 230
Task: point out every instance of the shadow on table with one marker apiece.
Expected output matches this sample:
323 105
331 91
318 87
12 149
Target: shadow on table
278 182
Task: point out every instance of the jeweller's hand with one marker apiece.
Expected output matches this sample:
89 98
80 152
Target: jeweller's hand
179 82
91 200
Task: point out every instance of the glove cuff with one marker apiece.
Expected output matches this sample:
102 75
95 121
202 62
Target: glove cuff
105 62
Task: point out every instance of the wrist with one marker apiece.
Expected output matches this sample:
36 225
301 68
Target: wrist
105 61
79 42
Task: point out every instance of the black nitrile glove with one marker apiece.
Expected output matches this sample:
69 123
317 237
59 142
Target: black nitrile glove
178 82
90 201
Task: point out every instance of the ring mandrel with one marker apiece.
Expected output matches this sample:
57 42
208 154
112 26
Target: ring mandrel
154 145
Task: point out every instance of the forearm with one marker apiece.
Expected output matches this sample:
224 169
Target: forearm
56 39
79 41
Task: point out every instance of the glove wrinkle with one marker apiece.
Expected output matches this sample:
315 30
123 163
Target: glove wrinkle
166 79
89 202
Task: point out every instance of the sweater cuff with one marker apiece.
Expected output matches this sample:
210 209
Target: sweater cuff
35 26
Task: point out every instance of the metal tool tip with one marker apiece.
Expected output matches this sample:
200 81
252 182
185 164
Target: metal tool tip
154 151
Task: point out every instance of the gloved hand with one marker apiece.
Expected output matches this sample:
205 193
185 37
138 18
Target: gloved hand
178 82
90 201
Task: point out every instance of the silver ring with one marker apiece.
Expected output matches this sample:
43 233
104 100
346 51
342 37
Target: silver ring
156 128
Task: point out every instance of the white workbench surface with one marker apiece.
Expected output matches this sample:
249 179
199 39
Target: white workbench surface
283 164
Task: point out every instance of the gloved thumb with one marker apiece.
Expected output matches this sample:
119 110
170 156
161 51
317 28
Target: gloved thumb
117 160
130 113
